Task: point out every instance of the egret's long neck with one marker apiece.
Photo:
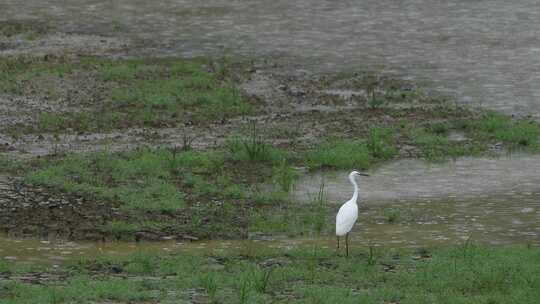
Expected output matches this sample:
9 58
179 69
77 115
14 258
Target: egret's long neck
355 185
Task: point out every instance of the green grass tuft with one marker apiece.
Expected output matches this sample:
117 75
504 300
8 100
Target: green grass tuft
134 92
139 180
253 148
120 230
339 154
284 176
380 143
514 133
304 274
436 146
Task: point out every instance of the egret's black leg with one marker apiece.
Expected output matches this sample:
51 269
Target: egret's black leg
347 243
338 242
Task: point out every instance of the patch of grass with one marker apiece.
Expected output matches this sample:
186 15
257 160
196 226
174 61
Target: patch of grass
339 154
522 133
4 267
194 193
79 289
292 219
141 263
435 146
439 128
285 132
320 210
380 144
392 215
19 72
119 230
462 274
27 28
135 92
143 180
209 283
51 122
491 123
253 148
481 132
159 92
163 99
261 279
269 198
493 126
12 165
284 176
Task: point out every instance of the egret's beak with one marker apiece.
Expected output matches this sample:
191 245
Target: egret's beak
364 174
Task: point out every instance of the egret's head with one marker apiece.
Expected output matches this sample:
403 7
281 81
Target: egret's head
356 173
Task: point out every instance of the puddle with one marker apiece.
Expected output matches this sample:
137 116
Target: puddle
33 251
57 252
492 201
466 178
504 220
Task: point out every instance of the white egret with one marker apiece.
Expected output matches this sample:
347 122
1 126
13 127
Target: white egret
348 213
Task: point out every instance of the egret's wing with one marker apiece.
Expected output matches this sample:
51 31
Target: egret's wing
346 217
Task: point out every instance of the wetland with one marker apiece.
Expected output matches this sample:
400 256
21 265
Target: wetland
138 165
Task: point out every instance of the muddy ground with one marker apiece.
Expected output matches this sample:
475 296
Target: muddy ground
293 112
481 53
288 105
297 99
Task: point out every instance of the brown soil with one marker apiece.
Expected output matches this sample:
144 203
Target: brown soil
33 211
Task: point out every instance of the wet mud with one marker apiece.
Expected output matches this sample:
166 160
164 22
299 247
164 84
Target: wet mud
37 212
481 53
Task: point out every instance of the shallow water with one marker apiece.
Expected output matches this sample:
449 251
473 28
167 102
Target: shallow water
492 201
504 220
482 52
516 175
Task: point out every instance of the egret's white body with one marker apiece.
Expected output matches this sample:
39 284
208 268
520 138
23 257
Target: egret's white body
346 217
348 213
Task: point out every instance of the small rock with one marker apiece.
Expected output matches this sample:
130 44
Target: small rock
272 263
116 269
296 92
143 235
190 237
496 146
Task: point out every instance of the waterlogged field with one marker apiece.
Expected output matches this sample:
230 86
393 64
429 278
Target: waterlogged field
205 180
